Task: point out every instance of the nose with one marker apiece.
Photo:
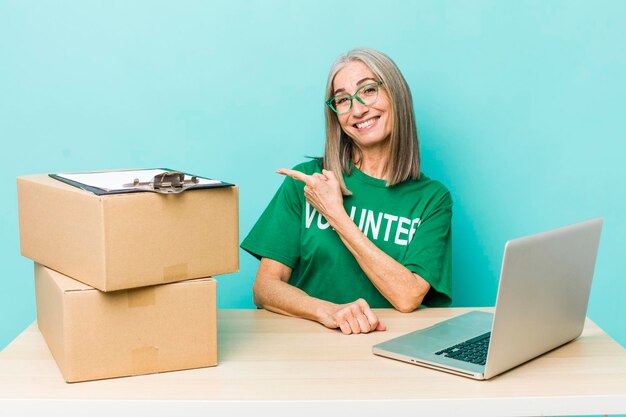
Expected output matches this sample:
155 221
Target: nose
358 108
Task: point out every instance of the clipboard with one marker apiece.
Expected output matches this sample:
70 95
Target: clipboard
159 180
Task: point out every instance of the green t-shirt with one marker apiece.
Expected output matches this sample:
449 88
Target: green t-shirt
410 221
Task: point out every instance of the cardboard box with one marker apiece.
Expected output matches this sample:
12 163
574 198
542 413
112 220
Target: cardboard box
121 241
96 335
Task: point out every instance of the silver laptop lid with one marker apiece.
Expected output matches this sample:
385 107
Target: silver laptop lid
543 293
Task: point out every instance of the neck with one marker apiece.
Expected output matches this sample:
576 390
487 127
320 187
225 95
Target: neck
374 163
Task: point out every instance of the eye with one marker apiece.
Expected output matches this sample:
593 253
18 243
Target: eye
369 90
341 100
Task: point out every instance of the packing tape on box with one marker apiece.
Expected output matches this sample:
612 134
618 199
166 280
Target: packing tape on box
141 297
145 360
175 272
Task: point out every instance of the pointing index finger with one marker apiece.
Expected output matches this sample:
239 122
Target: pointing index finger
296 175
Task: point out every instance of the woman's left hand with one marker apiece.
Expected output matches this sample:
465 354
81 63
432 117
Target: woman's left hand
322 191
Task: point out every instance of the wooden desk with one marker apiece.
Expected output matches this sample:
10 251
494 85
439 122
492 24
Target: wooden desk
275 365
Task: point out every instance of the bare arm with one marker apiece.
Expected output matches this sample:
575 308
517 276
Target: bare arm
273 292
404 289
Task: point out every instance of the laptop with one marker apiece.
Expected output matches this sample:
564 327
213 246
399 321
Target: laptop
541 304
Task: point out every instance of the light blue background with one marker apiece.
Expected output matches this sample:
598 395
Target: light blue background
520 107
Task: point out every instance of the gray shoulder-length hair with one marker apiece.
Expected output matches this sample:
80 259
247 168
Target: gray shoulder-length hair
404 155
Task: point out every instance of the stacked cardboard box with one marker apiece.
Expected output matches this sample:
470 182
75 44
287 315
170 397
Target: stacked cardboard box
123 281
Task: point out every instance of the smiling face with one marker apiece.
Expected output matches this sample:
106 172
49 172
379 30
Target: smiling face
368 125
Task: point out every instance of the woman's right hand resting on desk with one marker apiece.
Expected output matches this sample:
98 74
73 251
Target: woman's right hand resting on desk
352 318
273 292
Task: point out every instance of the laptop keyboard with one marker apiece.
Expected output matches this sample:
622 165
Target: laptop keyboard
473 350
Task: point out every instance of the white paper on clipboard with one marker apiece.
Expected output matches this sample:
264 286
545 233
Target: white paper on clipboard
121 180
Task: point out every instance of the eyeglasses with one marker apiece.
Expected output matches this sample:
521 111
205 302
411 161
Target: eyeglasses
366 94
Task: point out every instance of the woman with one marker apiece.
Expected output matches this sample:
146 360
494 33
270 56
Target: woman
360 228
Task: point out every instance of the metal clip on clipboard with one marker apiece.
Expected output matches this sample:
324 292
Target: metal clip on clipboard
169 182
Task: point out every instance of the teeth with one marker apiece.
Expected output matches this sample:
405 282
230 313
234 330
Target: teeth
365 123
